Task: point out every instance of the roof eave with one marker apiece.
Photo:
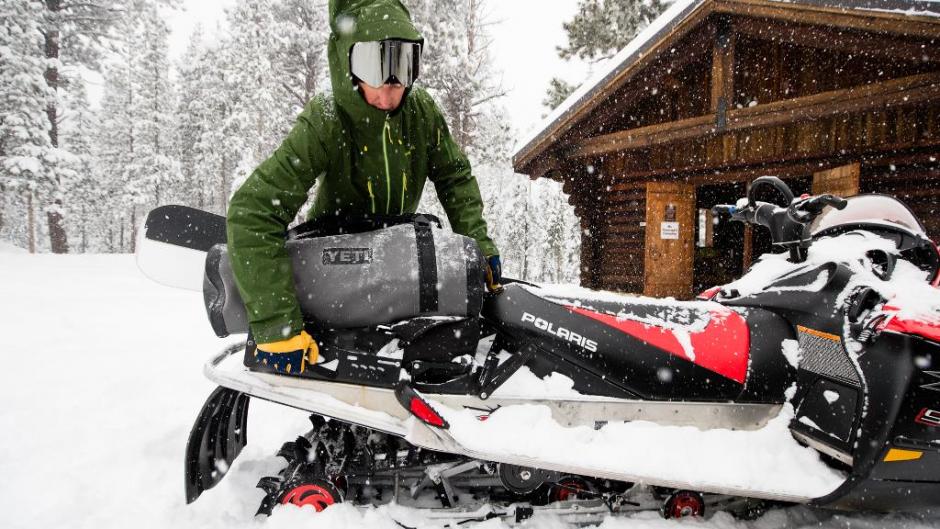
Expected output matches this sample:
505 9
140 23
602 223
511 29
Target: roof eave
616 77
677 27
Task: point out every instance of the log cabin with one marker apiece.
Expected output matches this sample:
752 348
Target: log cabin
832 96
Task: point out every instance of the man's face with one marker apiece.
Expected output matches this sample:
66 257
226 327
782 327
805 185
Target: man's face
387 97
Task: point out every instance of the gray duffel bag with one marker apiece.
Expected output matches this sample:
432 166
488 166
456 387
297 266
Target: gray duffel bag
360 272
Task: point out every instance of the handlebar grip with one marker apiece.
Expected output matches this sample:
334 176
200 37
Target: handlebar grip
815 205
726 209
834 201
745 214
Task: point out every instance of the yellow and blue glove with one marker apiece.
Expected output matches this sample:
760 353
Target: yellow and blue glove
289 356
494 273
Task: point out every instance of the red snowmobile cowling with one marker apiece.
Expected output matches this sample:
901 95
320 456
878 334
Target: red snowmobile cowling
924 325
722 346
632 347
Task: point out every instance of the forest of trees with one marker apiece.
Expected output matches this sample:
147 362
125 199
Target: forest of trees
77 177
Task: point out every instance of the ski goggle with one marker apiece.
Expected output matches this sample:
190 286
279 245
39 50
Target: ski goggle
385 61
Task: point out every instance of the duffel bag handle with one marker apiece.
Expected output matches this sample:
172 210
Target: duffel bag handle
346 224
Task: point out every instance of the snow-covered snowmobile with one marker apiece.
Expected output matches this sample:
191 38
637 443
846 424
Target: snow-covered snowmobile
842 330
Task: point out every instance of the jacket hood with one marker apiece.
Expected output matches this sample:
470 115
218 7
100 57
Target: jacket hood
353 21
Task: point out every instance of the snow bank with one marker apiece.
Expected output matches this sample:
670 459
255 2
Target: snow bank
8 247
768 459
525 383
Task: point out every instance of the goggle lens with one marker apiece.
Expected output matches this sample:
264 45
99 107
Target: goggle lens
380 62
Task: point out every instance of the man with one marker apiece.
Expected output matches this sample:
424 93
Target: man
371 145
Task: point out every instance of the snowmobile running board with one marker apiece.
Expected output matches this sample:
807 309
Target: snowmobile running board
380 409
579 512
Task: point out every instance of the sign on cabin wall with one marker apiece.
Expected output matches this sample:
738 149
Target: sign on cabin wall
669 230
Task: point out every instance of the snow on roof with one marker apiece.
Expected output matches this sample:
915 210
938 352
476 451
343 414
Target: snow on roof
679 11
905 7
674 15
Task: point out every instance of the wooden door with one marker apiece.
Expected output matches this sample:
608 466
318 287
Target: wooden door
840 181
670 233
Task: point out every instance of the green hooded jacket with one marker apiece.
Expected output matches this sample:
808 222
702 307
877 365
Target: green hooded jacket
366 160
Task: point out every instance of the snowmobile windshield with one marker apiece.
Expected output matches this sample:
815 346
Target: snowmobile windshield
880 210
385 61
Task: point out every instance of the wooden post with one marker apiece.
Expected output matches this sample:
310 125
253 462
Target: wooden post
747 254
722 95
747 257
840 181
584 192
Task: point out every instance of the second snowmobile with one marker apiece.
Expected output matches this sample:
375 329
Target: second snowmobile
827 330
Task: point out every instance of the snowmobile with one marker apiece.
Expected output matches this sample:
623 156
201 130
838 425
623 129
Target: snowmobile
385 398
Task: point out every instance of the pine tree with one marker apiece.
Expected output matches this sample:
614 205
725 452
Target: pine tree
259 117
154 171
300 58
203 125
558 91
458 71
598 31
193 116
245 92
84 201
601 28
26 148
114 148
75 33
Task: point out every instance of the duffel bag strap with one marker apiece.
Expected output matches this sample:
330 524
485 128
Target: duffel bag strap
427 268
345 224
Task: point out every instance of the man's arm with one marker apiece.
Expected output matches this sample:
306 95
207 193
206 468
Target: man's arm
457 189
258 216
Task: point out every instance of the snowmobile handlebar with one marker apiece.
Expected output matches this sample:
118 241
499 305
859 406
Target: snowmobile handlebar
788 223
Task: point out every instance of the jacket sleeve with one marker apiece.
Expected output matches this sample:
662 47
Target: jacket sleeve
258 216
457 189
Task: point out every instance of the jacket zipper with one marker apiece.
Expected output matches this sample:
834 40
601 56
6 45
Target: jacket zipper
371 194
388 177
404 185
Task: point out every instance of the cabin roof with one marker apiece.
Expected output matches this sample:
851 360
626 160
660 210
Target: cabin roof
681 16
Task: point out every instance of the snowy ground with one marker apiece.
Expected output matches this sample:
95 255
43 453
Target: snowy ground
101 384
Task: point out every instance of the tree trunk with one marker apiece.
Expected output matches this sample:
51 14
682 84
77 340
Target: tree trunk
30 222
525 232
58 241
133 229
84 231
223 198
